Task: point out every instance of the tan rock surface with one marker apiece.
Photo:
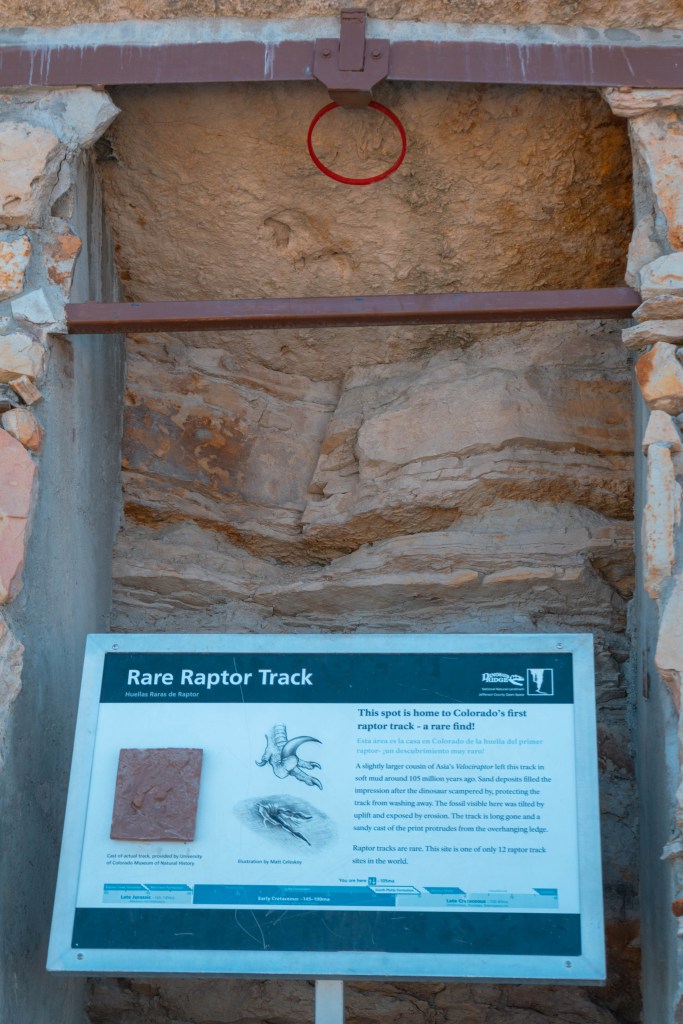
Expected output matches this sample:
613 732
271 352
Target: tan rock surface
502 188
627 102
423 442
658 142
422 479
15 254
576 553
20 355
660 307
664 276
22 425
660 375
406 446
629 13
59 252
29 164
661 429
652 331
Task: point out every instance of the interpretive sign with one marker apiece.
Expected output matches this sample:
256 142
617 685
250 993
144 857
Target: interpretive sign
334 806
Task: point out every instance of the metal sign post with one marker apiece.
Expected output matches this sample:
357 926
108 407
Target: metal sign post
329 1002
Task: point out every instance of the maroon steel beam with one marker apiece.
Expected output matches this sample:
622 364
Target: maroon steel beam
511 63
350 311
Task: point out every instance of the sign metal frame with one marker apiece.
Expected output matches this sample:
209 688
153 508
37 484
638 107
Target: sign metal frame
586 968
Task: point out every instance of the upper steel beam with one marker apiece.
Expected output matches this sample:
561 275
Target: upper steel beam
350 311
495 62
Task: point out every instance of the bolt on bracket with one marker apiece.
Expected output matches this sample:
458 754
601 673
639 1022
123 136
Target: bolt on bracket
352 65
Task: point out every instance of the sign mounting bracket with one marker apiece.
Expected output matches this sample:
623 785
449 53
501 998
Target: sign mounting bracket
351 66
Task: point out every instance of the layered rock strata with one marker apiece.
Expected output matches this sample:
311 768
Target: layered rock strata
474 479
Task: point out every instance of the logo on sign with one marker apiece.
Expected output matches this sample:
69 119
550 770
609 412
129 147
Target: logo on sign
540 682
502 677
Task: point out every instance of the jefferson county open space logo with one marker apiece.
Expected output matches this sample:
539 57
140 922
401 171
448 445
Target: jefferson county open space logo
540 682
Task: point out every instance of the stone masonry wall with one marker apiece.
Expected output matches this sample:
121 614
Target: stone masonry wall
57 439
448 479
655 266
42 135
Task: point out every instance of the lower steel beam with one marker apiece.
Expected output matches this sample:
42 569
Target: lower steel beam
350 311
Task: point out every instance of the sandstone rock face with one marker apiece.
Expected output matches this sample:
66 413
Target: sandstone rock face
502 188
660 375
629 13
470 479
14 256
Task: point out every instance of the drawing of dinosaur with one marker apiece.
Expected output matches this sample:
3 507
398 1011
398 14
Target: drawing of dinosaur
281 755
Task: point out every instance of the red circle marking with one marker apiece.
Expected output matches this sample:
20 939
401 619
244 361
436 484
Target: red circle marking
357 181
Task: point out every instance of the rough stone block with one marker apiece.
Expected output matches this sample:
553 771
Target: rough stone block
660 307
20 356
43 307
59 252
657 142
29 165
78 115
26 389
22 425
645 246
17 472
661 429
652 331
156 794
661 516
627 102
664 275
11 663
660 375
15 254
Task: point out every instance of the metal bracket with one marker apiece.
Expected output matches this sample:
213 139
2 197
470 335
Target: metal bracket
352 65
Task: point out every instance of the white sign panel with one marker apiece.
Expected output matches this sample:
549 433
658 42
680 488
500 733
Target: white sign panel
334 806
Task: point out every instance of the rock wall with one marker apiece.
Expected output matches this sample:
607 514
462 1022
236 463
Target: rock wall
655 266
603 13
445 479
